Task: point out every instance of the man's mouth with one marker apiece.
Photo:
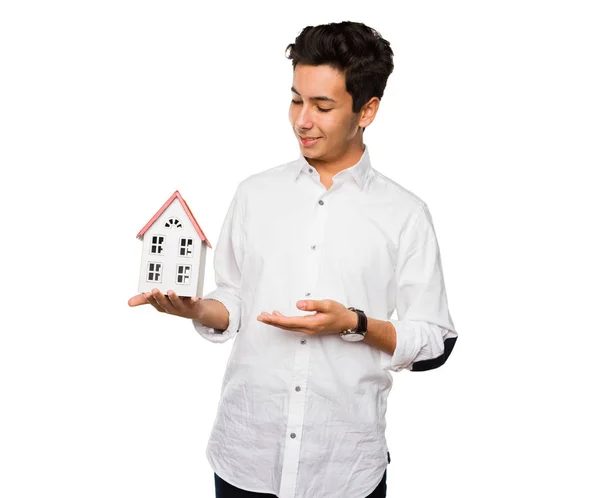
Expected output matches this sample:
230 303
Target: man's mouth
309 140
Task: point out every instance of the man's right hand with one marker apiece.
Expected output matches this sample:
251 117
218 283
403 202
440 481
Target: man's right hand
187 307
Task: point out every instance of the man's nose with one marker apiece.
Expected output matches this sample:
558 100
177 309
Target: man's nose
303 119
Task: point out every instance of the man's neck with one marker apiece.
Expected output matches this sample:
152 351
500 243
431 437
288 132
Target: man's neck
328 169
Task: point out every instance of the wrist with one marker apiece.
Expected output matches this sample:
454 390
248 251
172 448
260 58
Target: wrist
200 310
351 321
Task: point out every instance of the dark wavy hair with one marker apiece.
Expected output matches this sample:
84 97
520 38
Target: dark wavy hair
351 47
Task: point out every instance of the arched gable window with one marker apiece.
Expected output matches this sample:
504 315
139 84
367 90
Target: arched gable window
173 223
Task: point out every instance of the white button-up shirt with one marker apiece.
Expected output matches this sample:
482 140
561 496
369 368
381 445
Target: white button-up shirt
303 416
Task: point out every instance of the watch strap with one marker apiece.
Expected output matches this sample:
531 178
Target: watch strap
361 327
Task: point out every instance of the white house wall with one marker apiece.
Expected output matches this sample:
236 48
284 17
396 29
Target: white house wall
200 270
170 256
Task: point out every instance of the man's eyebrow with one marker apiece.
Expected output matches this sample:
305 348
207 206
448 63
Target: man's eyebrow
327 99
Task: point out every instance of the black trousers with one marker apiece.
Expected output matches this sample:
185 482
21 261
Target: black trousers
225 490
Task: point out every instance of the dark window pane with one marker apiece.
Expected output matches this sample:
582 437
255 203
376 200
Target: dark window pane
179 278
157 266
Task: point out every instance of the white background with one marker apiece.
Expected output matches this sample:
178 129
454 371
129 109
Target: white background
491 116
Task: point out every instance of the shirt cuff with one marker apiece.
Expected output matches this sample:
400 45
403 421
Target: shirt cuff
232 304
416 341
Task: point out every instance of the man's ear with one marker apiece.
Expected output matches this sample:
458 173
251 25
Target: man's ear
368 112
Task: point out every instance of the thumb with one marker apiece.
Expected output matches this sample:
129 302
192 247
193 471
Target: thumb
308 305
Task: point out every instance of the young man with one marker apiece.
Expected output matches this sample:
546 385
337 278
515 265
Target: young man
313 258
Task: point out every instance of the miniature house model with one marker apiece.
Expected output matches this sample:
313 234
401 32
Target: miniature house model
174 250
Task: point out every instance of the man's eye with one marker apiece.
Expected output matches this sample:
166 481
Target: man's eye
320 109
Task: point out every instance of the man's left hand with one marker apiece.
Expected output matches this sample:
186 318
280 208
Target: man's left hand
330 317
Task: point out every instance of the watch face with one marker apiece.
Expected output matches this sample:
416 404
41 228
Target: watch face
353 337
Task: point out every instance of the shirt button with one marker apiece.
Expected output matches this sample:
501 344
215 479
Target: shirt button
310 170
313 247
293 435
303 341
297 388
321 202
307 293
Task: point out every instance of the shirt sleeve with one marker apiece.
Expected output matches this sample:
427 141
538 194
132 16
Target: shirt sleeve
227 263
425 333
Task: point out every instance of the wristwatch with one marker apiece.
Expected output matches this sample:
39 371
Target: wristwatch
357 333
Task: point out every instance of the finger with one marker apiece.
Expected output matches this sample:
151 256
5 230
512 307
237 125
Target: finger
137 300
313 305
186 300
293 329
182 306
163 301
306 322
150 299
172 298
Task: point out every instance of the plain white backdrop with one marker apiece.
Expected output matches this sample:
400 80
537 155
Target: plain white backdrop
491 116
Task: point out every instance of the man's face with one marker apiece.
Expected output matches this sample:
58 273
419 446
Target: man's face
321 107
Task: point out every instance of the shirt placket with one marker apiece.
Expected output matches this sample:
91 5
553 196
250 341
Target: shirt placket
295 423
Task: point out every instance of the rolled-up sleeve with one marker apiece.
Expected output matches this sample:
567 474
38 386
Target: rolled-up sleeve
425 333
228 257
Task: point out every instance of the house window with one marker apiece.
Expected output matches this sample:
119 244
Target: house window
154 272
173 223
186 246
183 274
156 247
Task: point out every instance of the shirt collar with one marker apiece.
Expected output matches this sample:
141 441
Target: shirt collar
360 171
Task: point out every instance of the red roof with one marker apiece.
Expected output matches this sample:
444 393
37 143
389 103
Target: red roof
187 210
